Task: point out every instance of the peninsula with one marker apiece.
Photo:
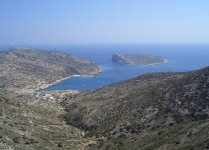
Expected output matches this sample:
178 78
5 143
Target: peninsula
137 59
26 69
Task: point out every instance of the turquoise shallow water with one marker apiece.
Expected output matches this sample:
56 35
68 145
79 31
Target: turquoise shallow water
181 57
184 57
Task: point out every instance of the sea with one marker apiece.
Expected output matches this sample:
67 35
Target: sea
180 57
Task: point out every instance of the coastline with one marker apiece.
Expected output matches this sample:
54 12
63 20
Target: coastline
44 86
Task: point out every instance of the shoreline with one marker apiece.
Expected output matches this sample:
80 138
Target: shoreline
44 86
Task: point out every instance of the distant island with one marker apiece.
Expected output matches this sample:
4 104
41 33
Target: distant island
137 59
27 69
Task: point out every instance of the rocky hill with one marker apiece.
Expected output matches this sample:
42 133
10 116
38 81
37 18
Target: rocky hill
137 59
23 69
154 111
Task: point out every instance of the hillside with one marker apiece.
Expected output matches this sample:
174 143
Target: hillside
154 111
24 69
31 123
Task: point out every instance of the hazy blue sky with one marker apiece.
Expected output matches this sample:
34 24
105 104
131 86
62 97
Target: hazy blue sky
103 21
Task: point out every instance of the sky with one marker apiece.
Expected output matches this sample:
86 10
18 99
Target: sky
103 21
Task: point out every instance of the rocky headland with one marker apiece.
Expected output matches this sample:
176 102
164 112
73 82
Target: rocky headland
26 69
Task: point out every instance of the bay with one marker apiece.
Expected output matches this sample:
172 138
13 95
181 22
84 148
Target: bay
181 57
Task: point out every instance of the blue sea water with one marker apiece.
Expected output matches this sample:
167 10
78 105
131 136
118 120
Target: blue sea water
181 57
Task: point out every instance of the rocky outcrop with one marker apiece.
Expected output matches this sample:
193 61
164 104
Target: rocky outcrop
138 59
23 69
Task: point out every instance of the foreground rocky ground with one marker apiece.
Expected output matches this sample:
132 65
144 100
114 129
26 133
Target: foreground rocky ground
28 122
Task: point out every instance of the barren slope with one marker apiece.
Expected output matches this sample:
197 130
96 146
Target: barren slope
140 108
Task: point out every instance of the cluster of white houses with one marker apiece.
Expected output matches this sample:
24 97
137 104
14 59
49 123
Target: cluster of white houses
47 97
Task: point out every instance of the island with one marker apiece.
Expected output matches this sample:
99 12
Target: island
137 59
